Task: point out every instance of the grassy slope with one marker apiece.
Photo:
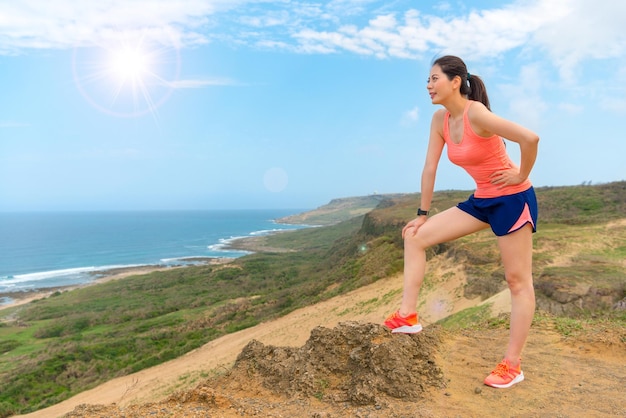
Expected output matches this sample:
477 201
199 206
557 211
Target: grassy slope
59 346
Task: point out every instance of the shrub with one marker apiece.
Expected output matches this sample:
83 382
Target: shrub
51 331
6 410
8 345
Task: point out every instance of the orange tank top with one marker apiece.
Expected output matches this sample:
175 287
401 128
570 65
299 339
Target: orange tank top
480 157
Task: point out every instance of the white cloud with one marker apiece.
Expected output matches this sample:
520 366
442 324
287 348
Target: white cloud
584 29
571 108
410 116
479 34
443 6
72 23
328 42
279 18
614 104
524 97
273 45
348 7
567 30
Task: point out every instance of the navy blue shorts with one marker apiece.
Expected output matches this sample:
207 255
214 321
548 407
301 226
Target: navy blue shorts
505 214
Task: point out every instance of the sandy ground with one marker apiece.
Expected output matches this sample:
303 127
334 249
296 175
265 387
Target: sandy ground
567 378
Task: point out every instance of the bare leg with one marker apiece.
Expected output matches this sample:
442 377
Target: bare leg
516 249
443 227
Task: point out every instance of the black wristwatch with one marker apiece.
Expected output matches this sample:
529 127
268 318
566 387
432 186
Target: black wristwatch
421 212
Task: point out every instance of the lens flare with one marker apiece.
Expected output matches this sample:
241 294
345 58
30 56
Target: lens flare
126 78
275 179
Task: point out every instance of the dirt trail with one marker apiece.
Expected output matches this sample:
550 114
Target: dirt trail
564 377
292 330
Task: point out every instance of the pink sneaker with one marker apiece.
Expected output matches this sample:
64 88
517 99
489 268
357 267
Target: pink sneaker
404 325
505 376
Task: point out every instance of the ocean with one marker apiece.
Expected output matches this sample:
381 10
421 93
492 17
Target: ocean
47 250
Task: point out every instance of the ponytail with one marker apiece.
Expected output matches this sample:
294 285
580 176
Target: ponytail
472 86
477 90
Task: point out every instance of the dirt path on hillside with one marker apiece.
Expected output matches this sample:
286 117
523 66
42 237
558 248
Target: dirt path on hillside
566 377
218 356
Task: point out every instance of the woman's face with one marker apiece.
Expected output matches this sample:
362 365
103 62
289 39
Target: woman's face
439 86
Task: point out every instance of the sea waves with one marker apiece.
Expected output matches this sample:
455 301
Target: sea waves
77 249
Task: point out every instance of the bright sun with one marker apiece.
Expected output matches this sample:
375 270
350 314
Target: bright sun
130 64
127 78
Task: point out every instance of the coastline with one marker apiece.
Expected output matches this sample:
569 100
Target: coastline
25 297
252 244
256 244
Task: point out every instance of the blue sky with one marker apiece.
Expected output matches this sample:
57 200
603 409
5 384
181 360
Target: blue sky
220 104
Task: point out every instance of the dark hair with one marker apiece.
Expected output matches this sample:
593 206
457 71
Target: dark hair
471 85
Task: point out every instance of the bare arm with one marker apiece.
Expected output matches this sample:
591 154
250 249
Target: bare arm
433 155
486 123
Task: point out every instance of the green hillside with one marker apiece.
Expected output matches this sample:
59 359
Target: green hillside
58 346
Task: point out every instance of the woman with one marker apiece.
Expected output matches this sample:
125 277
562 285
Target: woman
504 200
